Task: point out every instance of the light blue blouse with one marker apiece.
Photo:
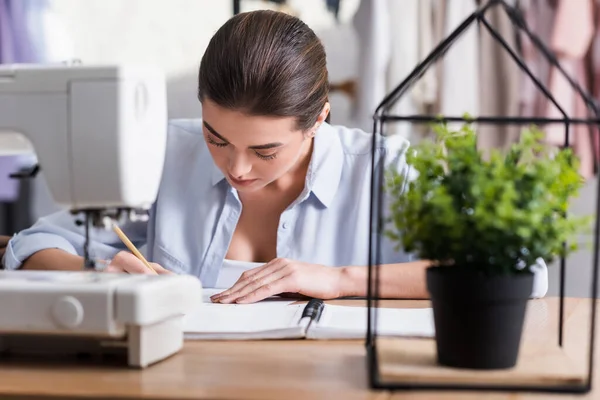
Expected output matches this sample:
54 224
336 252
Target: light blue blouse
196 211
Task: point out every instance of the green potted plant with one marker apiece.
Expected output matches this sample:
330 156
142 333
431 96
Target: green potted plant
483 221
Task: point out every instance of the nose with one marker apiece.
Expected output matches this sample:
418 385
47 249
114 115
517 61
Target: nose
239 165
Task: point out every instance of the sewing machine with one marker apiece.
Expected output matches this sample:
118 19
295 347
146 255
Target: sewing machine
99 134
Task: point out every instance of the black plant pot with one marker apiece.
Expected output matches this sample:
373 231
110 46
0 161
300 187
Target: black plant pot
478 319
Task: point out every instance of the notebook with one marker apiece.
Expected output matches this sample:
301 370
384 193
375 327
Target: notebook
284 319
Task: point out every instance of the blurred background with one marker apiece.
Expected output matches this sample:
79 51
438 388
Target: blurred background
372 45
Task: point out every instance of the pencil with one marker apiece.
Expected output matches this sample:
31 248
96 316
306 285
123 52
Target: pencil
131 247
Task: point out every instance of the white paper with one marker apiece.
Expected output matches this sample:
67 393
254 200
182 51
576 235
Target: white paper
268 319
278 318
342 322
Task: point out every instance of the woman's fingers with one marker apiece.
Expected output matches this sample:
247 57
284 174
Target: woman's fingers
276 286
159 269
263 285
129 263
124 261
252 281
247 277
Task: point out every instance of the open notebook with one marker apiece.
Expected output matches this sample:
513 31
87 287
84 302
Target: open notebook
282 319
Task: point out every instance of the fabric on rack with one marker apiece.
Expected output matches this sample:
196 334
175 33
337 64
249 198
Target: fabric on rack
571 42
404 55
29 33
15 47
373 32
426 89
460 65
553 22
439 34
539 16
593 61
393 38
424 94
499 81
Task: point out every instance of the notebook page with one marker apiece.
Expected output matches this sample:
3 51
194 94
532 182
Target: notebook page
344 322
273 318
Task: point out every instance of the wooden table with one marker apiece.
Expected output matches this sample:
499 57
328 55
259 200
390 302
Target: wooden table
268 369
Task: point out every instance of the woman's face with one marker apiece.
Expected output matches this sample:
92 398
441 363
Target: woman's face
252 151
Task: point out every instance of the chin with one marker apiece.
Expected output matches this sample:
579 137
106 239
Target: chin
248 188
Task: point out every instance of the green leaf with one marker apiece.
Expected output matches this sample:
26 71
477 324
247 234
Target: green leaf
488 215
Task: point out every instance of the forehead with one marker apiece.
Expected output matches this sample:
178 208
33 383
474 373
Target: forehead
247 130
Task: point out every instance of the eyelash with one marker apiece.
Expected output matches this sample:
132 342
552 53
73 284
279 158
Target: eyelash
218 144
261 156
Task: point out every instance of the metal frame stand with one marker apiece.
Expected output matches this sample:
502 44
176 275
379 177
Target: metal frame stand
383 116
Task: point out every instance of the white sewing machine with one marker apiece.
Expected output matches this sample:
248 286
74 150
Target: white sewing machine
99 134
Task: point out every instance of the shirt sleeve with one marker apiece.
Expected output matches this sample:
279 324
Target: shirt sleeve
60 231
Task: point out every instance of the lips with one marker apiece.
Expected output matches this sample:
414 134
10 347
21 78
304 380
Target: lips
243 182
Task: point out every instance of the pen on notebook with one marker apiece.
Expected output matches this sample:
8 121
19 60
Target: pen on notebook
131 247
313 310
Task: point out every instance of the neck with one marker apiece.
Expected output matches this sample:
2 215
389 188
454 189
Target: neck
294 180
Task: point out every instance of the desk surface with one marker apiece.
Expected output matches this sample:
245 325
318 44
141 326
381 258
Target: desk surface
268 369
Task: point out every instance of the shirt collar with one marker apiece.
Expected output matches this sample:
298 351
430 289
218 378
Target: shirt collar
325 167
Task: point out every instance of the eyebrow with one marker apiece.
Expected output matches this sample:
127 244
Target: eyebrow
257 147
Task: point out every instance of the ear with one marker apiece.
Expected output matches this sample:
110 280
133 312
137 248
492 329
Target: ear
323 116
320 119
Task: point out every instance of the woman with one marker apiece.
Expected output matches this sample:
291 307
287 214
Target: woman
260 197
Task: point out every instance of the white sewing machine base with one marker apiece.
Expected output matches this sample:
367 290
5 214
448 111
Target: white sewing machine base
140 347
137 319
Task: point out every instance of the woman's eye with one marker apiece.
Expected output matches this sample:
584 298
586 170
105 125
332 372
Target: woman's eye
266 156
214 142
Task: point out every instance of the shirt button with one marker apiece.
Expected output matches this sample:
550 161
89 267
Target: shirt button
285 225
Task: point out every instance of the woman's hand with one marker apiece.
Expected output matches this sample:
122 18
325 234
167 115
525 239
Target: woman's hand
283 276
124 261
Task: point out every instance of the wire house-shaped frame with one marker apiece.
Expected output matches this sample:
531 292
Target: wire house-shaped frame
383 116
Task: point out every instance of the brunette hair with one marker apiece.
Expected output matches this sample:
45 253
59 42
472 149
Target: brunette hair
266 63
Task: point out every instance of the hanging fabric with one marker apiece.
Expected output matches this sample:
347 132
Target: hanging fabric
29 33
393 38
403 23
373 33
571 43
15 47
460 66
425 91
499 82
552 21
